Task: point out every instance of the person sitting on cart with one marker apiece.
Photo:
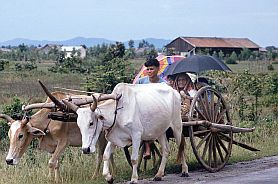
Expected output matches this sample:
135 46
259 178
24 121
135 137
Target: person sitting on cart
184 85
201 82
171 80
152 67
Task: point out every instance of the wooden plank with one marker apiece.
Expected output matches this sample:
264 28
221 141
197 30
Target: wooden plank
227 128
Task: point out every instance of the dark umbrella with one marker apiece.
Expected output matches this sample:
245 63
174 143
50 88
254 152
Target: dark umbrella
197 64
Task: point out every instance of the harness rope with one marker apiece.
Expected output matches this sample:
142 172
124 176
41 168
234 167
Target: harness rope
115 115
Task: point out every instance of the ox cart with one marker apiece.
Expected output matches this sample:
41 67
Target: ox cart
210 130
208 125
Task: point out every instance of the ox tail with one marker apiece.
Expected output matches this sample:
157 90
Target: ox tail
181 149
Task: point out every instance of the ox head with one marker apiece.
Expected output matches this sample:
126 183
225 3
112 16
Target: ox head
21 134
89 123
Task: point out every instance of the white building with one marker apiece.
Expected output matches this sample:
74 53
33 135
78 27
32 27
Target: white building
79 51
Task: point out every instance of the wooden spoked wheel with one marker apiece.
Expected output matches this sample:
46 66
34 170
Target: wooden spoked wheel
211 146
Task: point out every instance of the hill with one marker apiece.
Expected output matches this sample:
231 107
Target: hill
89 42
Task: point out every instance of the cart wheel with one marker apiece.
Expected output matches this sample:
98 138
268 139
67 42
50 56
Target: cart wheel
212 147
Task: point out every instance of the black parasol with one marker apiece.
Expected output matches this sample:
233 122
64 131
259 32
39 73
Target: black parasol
197 64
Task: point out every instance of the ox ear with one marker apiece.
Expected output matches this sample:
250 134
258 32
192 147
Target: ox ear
35 132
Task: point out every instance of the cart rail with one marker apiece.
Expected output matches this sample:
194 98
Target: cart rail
218 126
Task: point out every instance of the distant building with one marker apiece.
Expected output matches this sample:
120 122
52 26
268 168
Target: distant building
69 50
5 50
190 45
140 51
48 47
261 49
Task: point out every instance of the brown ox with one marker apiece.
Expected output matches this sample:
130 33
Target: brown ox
54 136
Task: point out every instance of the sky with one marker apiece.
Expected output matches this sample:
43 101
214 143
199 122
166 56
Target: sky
123 20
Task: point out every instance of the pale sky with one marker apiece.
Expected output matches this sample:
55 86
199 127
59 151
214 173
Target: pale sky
122 20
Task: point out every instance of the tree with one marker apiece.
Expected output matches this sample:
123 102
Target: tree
152 54
221 55
271 55
115 50
22 51
131 44
232 59
106 77
143 44
270 48
214 54
112 70
130 53
245 54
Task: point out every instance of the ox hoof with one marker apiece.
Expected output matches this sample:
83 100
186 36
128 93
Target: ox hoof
110 181
157 178
133 182
184 174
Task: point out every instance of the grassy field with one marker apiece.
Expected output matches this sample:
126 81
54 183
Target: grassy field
253 66
25 84
78 168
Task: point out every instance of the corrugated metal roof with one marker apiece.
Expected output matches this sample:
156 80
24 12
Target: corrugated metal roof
220 42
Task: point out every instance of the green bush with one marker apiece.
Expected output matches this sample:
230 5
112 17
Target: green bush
3 63
25 66
30 66
270 67
231 61
18 67
252 97
13 110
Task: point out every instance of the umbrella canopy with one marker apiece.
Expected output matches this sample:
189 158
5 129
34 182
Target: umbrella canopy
196 64
164 62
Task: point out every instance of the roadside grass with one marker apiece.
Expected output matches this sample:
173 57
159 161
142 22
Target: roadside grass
263 138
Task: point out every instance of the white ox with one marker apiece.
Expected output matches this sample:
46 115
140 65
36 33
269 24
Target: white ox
143 112
54 136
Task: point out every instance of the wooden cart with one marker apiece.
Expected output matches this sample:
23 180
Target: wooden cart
210 129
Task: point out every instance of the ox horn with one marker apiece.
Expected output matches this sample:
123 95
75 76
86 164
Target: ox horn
91 99
38 106
54 99
94 106
8 118
70 105
107 97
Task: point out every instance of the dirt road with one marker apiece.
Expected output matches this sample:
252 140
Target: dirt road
263 170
